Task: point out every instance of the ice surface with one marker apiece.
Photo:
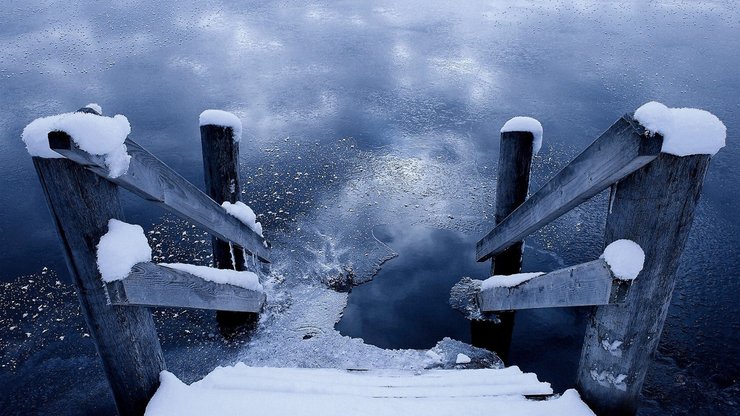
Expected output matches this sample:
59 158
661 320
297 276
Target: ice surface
529 124
245 279
277 391
120 249
224 119
97 135
625 258
685 131
508 281
244 214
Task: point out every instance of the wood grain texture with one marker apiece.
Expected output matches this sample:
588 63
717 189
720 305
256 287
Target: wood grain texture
653 207
221 174
81 203
585 284
150 284
151 179
514 168
619 151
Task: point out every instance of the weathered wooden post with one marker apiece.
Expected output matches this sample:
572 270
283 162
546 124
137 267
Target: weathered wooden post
221 170
81 203
514 166
653 207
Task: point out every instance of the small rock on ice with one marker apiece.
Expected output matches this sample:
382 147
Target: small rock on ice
94 106
120 249
685 131
462 359
529 124
625 258
223 119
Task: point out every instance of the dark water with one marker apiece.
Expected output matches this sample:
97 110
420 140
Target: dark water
421 89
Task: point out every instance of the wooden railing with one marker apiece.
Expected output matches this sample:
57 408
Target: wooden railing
82 198
653 196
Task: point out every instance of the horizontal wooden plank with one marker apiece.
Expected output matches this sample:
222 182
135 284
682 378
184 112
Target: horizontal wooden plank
619 151
151 179
586 284
150 284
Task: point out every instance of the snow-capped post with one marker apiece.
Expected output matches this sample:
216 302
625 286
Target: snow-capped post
81 203
521 139
220 134
654 207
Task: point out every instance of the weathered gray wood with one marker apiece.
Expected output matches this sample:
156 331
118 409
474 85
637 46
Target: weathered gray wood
514 167
151 179
619 151
653 207
221 173
150 284
586 284
81 203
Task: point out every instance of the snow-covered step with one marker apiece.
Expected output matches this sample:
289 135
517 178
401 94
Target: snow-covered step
242 390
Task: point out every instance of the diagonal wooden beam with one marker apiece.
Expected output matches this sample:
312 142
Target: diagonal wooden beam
621 150
586 284
151 179
150 284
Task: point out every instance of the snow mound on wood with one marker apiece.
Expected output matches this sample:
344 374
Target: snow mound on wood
625 258
685 131
97 135
520 123
247 280
316 391
508 281
120 249
244 214
223 119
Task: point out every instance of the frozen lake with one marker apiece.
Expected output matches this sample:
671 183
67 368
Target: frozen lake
370 137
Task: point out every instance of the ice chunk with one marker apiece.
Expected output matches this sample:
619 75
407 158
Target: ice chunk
685 131
625 258
120 248
244 214
224 119
94 134
95 107
508 281
462 359
529 124
247 280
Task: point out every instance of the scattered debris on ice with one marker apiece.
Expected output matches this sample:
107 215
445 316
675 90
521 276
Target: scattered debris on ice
120 249
529 124
508 281
245 279
223 119
244 214
625 259
97 135
685 131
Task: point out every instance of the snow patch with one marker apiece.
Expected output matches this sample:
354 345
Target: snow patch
625 259
244 214
120 249
685 131
223 119
97 135
508 281
247 280
520 123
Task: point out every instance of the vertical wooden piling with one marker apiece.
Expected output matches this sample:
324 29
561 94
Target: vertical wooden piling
515 163
655 208
221 171
81 203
